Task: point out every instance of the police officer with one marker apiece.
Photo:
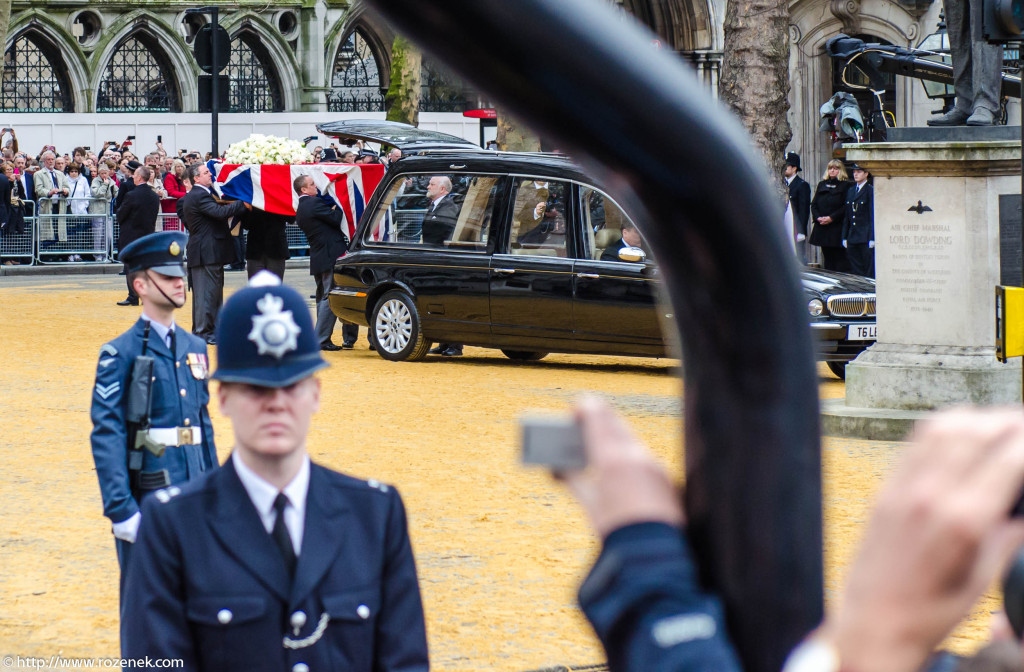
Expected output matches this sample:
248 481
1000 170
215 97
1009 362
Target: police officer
273 562
141 447
859 225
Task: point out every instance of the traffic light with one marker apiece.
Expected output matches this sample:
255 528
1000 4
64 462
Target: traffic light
1002 20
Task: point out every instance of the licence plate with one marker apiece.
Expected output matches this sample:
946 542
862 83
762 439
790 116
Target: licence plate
863 332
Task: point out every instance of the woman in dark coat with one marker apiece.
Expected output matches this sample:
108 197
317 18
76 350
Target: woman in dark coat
827 213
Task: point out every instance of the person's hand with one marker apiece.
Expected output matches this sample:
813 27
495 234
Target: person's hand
871 244
844 243
800 237
940 533
824 220
248 206
538 210
622 483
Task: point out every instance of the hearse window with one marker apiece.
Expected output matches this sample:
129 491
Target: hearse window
602 226
459 221
539 218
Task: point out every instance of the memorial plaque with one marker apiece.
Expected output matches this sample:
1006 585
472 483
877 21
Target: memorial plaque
1010 241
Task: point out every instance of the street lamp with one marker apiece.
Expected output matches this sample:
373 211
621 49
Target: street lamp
938 44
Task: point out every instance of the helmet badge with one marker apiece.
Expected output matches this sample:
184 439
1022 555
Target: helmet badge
274 330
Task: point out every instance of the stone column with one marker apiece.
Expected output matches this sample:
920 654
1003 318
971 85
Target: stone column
311 55
936 271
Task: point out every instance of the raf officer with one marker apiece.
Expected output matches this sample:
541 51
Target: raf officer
170 440
273 563
859 225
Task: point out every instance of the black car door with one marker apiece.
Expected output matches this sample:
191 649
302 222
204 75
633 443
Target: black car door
531 269
615 301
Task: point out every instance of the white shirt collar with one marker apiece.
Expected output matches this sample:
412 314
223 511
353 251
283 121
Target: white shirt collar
437 200
789 180
208 190
263 494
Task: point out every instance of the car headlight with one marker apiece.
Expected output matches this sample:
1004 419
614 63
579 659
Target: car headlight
815 307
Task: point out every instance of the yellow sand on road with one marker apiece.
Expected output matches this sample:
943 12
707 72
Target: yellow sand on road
500 548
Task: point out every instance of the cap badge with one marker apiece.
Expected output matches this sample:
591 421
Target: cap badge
274 330
175 249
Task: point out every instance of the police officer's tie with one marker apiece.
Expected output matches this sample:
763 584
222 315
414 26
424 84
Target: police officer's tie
281 536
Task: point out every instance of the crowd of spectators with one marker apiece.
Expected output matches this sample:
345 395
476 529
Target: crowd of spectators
87 187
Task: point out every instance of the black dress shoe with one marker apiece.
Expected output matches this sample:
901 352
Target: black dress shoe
954 117
347 346
452 352
210 340
329 347
439 350
127 302
372 348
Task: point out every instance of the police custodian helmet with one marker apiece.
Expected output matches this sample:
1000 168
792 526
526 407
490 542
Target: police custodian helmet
265 336
163 252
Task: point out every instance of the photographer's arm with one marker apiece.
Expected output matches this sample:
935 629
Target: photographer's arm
940 533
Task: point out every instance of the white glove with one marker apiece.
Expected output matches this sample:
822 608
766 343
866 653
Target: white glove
128 529
871 244
844 243
800 237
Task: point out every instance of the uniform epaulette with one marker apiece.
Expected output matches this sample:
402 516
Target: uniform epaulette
377 485
167 494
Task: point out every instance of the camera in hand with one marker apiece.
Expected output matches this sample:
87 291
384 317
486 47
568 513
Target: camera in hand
553 441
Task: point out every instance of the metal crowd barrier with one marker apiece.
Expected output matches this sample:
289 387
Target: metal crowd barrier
72 230
19 247
86 231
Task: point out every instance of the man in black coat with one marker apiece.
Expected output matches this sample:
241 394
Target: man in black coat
442 212
859 226
322 225
266 246
136 218
799 207
209 248
630 237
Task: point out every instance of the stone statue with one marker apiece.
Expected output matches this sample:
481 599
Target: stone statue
977 68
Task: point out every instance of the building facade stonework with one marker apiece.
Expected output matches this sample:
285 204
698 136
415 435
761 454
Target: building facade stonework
333 56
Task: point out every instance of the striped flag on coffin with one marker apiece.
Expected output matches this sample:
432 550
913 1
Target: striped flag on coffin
269 187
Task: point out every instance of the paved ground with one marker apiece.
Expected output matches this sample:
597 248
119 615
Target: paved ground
500 548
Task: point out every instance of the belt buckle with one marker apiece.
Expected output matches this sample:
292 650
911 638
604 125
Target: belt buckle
185 436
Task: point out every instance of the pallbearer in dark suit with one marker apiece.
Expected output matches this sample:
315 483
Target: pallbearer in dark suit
209 248
274 563
859 226
266 246
322 225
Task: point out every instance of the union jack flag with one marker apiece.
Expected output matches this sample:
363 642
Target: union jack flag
269 187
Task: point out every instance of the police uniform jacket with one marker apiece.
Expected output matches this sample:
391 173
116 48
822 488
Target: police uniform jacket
800 201
179 399
212 589
859 225
645 603
210 241
439 221
829 201
322 225
137 216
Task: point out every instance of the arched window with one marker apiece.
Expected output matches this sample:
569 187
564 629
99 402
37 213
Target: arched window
440 90
138 78
35 78
355 80
254 83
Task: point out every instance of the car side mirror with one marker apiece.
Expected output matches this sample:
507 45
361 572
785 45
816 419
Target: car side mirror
632 254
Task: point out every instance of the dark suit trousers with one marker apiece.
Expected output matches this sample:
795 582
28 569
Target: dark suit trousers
207 297
275 266
835 259
325 318
132 296
862 259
